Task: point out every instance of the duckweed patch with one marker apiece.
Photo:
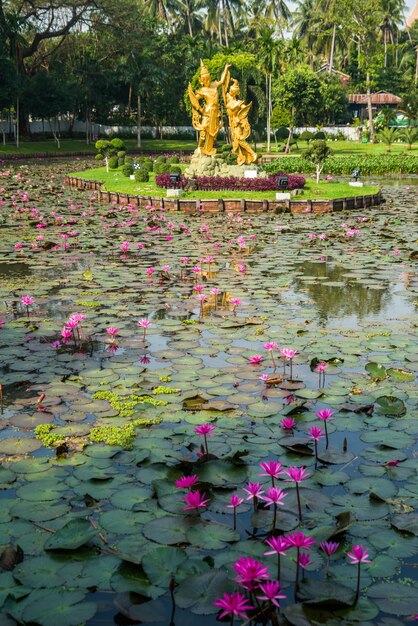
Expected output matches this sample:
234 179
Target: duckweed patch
125 405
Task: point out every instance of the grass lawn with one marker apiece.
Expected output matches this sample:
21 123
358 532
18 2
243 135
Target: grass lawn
79 145
340 148
116 181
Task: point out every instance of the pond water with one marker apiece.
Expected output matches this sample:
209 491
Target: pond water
102 527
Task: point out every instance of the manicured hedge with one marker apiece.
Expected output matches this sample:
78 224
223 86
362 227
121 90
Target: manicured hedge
219 183
344 165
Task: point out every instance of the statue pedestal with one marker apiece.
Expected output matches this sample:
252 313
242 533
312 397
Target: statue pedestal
174 193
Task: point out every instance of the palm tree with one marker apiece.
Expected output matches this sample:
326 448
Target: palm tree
267 57
410 135
391 17
388 136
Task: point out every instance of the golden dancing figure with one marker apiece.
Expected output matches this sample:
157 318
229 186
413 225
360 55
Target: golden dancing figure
206 119
238 121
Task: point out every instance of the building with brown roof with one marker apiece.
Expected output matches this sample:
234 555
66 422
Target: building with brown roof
380 100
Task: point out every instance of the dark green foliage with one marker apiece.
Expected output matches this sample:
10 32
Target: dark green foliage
117 144
147 165
160 159
113 163
175 169
282 132
99 157
141 176
319 135
121 154
344 165
127 169
306 135
121 162
161 168
173 159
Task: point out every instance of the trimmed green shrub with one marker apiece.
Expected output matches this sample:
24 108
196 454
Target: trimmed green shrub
282 132
173 159
113 163
121 154
306 136
147 165
129 160
141 176
127 169
161 168
175 169
99 157
121 162
160 159
118 144
319 135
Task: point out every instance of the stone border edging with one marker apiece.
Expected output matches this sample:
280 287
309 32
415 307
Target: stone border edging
228 204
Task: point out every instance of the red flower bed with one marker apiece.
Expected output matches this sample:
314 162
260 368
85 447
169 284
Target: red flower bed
219 183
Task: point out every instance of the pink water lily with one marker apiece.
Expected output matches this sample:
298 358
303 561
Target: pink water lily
234 503
205 431
316 434
328 547
112 331
357 556
144 323
300 541
272 469
256 359
325 415
234 604
249 572
186 482
270 346
288 354
288 423
297 474
195 500
254 491
271 592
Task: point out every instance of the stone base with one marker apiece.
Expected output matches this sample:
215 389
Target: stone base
283 196
174 193
202 165
356 183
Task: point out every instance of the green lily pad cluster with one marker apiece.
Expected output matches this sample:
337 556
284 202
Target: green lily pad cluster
105 516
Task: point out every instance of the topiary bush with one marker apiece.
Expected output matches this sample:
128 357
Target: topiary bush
127 169
160 159
307 135
117 144
121 154
99 157
113 163
173 159
319 135
141 176
344 165
175 169
161 167
147 165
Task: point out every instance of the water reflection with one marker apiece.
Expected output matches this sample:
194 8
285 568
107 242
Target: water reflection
350 298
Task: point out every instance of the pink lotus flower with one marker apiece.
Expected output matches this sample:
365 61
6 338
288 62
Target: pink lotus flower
185 482
271 591
264 377
201 297
278 545
298 539
235 604
215 291
288 353
256 359
249 572
288 423
316 433
56 344
274 496
325 416
270 346
254 491
125 245
18 246
66 333
312 236
150 271
112 331
27 300
185 260
198 288
321 367
329 547
166 268
194 500
297 474
304 559
72 323
272 469
205 429
358 554
144 323
235 501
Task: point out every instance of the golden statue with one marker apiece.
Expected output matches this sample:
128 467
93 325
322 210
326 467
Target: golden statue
206 118
238 121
